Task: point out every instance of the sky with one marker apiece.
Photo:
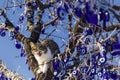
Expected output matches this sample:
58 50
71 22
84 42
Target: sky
8 52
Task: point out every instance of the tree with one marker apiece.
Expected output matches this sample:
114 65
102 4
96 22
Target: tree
6 73
86 21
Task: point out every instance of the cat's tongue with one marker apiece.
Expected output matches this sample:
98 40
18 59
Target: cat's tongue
40 53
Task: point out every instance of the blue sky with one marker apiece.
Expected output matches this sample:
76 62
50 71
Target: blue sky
8 52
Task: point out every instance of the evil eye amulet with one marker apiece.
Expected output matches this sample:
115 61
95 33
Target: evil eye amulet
61 13
82 50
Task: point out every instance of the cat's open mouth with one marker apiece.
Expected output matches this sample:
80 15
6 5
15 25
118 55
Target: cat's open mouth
39 53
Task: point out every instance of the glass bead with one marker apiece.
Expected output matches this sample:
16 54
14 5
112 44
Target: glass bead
43 31
34 4
91 17
33 79
80 1
84 69
17 45
22 53
77 12
102 60
3 34
101 13
107 16
66 7
21 18
87 7
17 28
105 76
99 74
29 4
87 32
61 13
115 52
82 50
113 75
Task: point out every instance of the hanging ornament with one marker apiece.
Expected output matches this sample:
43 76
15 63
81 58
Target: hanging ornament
116 49
43 31
113 75
17 28
61 13
93 70
29 4
84 69
91 17
34 4
33 79
22 52
107 16
66 7
21 18
105 76
101 13
2 32
75 72
11 35
78 12
102 60
82 50
17 44
99 73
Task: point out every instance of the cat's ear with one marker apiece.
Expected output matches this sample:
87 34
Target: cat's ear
32 45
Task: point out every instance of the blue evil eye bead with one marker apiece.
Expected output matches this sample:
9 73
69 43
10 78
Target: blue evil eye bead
93 71
29 4
17 44
81 1
21 18
11 35
115 52
33 79
75 72
87 41
77 12
3 33
113 75
84 69
34 4
26 61
105 76
61 13
66 7
101 14
102 60
87 32
107 16
99 73
22 52
20 5
91 17
55 73
116 45
17 28
82 50
43 31
95 7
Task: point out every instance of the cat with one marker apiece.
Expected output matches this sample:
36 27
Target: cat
44 53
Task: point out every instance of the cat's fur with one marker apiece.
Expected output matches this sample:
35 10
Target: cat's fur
48 48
